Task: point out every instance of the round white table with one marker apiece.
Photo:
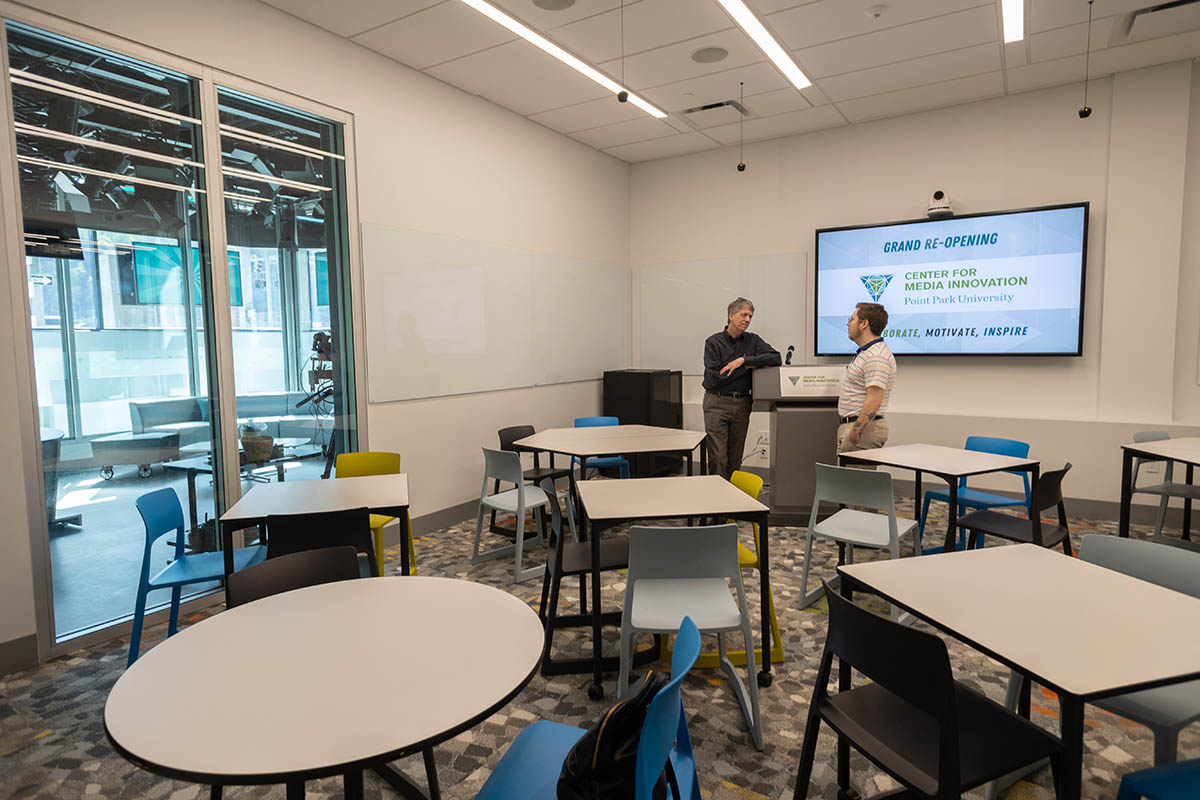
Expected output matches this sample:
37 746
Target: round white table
324 681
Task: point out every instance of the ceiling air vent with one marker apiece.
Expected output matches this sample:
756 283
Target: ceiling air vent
1153 21
709 115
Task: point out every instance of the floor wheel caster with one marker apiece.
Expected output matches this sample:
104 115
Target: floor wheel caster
765 678
596 691
106 473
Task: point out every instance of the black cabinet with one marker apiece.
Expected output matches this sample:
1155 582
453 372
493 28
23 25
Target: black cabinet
646 397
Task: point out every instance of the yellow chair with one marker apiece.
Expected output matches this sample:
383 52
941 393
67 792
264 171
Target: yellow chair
356 465
752 485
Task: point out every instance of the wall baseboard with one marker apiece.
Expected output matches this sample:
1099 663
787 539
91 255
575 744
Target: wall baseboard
18 654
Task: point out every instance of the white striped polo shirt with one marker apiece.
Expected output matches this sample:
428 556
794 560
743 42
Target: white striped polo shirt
873 366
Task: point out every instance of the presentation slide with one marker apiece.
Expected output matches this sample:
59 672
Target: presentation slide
1007 283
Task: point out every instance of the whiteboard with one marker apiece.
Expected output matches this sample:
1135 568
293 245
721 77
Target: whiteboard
446 315
683 303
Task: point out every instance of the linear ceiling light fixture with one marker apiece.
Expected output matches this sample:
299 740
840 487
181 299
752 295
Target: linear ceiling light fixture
536 39
1013 12
749 23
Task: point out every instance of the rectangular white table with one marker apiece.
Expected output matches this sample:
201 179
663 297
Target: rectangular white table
1084 631
1185 451
948 463
379 494
606 503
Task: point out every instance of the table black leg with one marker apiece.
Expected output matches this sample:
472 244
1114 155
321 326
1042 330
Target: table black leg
1034 474
1187 508
403 784
214 793
596 690
279 472
917 511
295 790
689 465
952 511
764 579
1126 492
844 672
227 547
703 456
352 784
431 776
1071 774
406 537
193 514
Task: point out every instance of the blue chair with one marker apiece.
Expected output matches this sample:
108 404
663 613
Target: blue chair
970 498
607 462
530 768
1170 782
162 515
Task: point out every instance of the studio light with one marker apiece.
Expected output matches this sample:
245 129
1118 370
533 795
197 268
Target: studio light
749 23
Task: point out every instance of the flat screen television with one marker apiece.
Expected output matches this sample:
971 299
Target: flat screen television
1001 283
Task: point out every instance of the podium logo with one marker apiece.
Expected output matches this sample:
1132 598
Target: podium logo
875 285
794 379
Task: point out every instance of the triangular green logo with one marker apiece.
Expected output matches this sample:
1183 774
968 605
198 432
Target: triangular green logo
794 379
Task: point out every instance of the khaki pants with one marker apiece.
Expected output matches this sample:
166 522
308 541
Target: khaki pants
726 420
874 434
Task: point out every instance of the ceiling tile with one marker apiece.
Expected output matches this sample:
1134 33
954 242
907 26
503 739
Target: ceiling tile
594 113
635 130
435 35
713 88
1068 41
1047 14
914 72
960 29
543 21
1016 54
764 7
814 95
520 77
674 63
678 145
829 20
347 19
812 119
1046 73
962 90
649 24
768 104
1144 54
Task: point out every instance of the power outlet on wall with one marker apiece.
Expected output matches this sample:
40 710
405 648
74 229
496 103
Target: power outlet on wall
1152 467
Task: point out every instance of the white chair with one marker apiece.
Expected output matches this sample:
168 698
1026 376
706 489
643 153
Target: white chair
851 527
1168 488
686 572
505 467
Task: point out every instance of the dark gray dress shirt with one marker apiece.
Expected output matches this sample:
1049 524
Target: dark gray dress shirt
721 348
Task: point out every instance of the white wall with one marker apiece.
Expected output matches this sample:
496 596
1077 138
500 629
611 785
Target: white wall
429 157
1134 160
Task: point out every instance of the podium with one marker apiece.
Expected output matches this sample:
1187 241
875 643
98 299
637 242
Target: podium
804 421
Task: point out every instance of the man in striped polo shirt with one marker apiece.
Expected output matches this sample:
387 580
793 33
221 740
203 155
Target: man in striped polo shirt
867 384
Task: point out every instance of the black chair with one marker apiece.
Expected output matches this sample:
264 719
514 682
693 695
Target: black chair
296 533
535 475
936 736
293 571
1047 493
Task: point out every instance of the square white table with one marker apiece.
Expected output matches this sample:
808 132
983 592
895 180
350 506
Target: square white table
606 503
1084 631
1185 450
379 494
948 463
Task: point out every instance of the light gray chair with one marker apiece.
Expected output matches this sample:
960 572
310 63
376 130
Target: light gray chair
851 527
505 466
678 572
1168 488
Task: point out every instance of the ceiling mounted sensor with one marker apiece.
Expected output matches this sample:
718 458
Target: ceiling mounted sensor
1086 111
554 5
876 11
623 95
1123 24
710 55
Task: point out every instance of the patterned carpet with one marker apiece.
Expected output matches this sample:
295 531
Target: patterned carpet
52 743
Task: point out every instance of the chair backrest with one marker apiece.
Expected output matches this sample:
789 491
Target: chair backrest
556 520
162 514
1148 436
1048 491
655 552
356 465
293 571
595 422
748 482
295 533
1000 447
1167 566
665 725
504 465
854 487
512 434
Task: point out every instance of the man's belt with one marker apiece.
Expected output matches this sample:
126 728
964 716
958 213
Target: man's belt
728 394
844 420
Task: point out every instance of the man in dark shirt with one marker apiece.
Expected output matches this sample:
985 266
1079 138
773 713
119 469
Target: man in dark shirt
729 355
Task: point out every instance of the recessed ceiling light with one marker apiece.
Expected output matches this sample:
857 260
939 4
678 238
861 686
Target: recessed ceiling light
554 5
549 47
1013 12
749 23
710 55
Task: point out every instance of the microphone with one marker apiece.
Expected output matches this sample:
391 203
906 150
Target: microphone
791 349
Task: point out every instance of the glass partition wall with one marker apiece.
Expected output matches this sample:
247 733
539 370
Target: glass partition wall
113 180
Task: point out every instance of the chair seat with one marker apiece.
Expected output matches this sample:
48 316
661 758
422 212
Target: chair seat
971 498
507 501
530 767
1166 706
862 528
992 741
1169 782
205 566
603 462
1006 526
536 475
577 556
1171 489
660 604
746 557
